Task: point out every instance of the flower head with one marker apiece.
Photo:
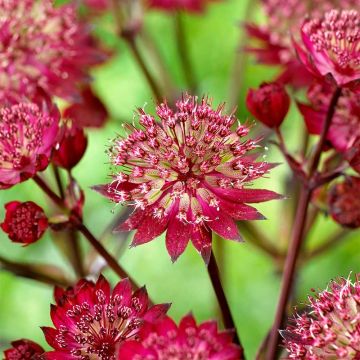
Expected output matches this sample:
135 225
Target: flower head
91 321
344 205
165 340
332 45
28 134
345 126
24 350
43 46
171 5
188 174
25 222
330 329
269 104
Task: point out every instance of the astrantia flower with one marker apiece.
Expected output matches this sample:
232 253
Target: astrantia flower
28 134
164 340
332 45
170 5
43 46
330 329
24 350
91 321
344 204
25 222
345 126
187 174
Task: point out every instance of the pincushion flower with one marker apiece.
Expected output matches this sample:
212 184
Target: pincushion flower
43 46
331 46
28 134
330 328
343 201
187 175
25 222
24 350
345 126
165 340
91 321
171 5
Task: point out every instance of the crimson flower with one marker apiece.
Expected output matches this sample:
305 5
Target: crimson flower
332 45
28 134
343 200
330 328
269 103
171 5
345 126
24 350
164 340
91 321
43 46
25 222
187 175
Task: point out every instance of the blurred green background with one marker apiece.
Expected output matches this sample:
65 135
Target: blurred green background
250 276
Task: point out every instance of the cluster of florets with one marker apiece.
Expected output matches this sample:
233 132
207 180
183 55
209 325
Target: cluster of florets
188 174
43 46
330 329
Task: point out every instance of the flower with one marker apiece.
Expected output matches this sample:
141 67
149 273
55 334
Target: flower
43 46
188 175
24 350
28 134
24 222
165 340
343 200
345 125
332 45
71 148
269 104
91 321
171 5
330 328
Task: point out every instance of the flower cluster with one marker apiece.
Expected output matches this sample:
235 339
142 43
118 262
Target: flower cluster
91 321
43 46
165 340
24 350
330 328
188 174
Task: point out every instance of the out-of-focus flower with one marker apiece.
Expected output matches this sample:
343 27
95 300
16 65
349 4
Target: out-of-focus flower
332 46
272 43
187 5
353 155
91 321
43 46
269 103
344 204
345 125
24 222
330 329
99 5
71 148
188 174
165 340
89 112
28 134
24 350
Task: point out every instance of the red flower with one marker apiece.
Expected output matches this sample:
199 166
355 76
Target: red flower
91 321
25 222
332 46
71 148
345 126
330 329
269 104
43 46
24 350
28 133
165 340
344 204
171 5
187 175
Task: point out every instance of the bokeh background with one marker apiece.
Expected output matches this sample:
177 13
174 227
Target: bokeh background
251 278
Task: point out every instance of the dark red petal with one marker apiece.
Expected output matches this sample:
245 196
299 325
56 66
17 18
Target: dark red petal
240 211
156 312
201 238
124 290
143 300
132 222
314 120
